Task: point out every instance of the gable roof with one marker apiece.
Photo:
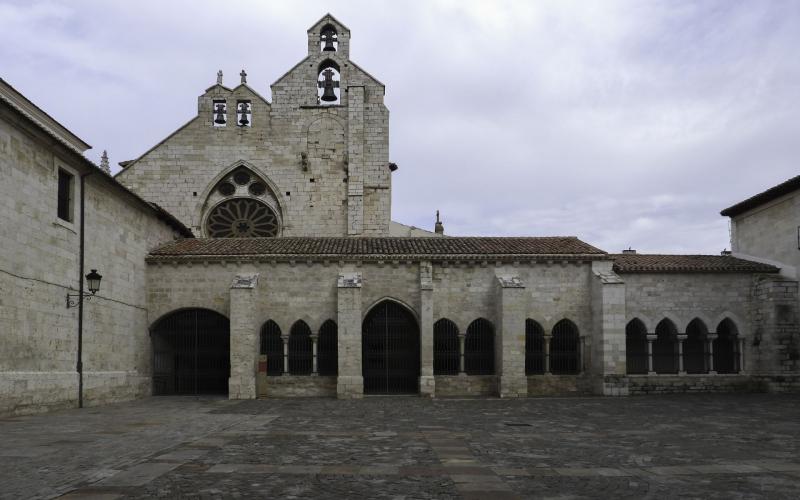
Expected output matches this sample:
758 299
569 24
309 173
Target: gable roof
659 263
78 157
453 248
770 194
328 17
43 120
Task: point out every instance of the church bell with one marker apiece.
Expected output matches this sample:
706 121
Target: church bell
219 114
328 37
328 95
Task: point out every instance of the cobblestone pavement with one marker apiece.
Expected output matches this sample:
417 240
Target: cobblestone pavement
691 446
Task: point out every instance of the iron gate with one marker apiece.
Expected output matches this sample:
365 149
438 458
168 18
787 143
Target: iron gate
191 353
390 350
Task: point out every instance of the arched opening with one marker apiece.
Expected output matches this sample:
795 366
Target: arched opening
328 349
191 353
534 348
328 39
390 350
665 348
726 347
479 348
694 347
328 81
301 358
271 345
565 349
241 204
636 347
446 356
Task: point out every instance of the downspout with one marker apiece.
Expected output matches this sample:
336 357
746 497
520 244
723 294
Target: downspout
80 290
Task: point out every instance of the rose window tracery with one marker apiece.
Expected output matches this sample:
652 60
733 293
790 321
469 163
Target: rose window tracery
242 218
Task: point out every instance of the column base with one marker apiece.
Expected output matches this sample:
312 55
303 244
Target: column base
512 386
651 373
349 387
427 386
242 387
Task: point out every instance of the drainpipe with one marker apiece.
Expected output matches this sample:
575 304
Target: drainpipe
80 292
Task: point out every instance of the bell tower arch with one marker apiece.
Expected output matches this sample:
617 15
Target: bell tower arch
329 36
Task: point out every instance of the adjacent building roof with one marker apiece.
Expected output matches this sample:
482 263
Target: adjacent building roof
654 263
75 146
37 115
770 194
388 247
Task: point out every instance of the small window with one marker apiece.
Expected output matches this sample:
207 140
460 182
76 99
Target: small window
220 113
243 114
66 187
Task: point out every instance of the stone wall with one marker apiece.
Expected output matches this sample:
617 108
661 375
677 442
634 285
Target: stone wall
39 266
556 385
292 386
466 385
669 384
770 232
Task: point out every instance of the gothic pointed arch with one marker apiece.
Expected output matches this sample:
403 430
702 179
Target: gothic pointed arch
241 202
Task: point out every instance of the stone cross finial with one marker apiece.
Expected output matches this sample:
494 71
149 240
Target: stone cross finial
219 77
243 74
104 163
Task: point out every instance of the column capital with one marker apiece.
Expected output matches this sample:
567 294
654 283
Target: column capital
652 337
711 336
681 337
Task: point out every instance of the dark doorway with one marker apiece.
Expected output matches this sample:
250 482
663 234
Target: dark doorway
191 353
390 350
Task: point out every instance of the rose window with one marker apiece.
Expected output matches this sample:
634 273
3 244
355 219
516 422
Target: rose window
242 218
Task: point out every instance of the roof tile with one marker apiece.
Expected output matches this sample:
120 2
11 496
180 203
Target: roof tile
654 263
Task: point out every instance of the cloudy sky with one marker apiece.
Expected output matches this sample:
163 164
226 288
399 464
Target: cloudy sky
628 124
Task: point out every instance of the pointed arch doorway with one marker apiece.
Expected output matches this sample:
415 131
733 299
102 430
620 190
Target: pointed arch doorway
390 350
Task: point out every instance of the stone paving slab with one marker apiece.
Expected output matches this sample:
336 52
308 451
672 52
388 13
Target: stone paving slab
705 446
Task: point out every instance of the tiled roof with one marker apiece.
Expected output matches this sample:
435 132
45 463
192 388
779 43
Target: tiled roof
770 194
397 247
653 263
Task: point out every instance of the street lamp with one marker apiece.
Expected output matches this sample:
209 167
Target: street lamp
93 284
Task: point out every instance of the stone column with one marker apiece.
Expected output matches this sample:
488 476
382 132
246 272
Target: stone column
243 338
710 338
740 341
547 338
608 363
681 337
510 337
314 338
651 337
461 337
350 382
427 383
285 339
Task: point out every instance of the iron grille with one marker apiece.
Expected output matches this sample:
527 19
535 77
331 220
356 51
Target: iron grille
191 353
565 348
665 348
301 359
726 348
328 349
695 353
390 350
479 348
534 348
636 347
272 346
446 355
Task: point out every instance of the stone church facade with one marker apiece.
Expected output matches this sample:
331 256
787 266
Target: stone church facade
265 263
